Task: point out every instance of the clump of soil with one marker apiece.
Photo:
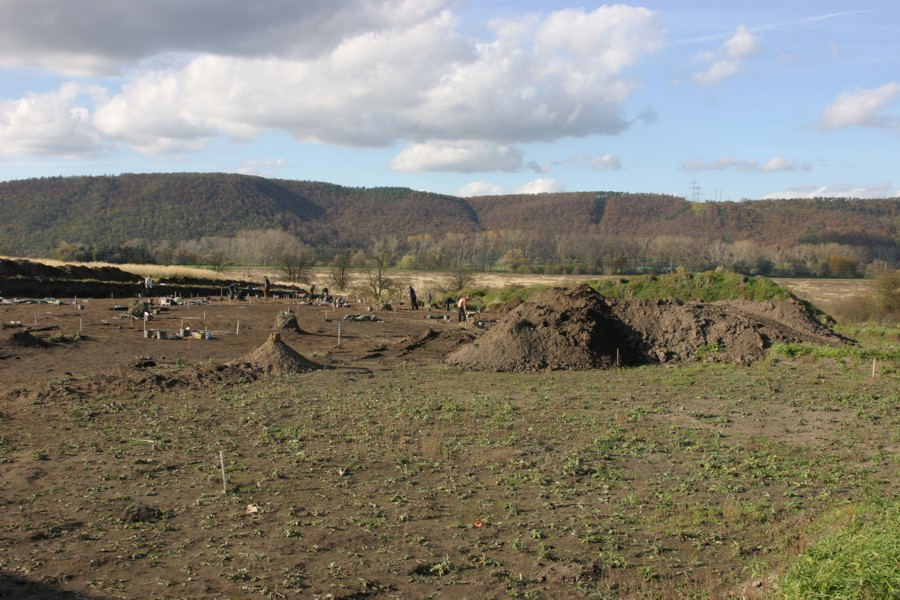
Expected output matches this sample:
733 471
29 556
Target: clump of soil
23 339
554 329
287 321
274 356
141 513
578 329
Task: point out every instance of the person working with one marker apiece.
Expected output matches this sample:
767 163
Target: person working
461 308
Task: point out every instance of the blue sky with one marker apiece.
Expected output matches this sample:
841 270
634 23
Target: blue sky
710 100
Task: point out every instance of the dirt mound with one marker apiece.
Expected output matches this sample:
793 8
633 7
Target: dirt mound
736 331
274 356
30 269
554 329
791 316
672 331
22 339
287 321
579 329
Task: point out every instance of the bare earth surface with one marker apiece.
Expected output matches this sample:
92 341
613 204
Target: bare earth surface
374 459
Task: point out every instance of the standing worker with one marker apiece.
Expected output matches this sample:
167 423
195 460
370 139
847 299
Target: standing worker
148 285
412 298
461 308
266 286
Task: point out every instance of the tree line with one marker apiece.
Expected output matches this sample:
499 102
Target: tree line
501 250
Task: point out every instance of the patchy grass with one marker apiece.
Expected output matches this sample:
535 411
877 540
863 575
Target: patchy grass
708 286
837 352
688 481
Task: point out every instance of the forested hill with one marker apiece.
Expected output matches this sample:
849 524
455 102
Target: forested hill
36 215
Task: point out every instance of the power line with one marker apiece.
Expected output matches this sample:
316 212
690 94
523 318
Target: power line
695 191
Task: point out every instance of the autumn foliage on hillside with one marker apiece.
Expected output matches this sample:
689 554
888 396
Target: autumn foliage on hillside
219 218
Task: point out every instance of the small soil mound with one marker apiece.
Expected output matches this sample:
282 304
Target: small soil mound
554 329
274 356
141 513
287 321
23 339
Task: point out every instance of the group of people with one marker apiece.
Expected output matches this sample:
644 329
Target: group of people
462 304
235 292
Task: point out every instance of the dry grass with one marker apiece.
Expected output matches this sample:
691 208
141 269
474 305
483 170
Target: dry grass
827 294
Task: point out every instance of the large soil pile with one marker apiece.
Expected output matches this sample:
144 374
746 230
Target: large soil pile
555 329
579 329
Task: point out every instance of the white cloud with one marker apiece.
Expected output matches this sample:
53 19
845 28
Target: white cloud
261 166
784 164
840 190
479 188
777 163
719 70
372 74
55 123
597 163
459 157
541 186
726 62
741 45
863 108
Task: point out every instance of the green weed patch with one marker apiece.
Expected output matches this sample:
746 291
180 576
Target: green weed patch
860 559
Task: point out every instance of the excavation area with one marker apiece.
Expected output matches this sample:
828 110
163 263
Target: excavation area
569 446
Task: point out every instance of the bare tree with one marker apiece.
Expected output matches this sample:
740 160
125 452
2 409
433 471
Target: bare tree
294 263
263 246
460 276
562 244
341 266
377 262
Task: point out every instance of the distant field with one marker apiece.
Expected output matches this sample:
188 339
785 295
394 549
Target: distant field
826 294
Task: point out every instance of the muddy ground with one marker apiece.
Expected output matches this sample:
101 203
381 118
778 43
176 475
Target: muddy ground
102 410
558 329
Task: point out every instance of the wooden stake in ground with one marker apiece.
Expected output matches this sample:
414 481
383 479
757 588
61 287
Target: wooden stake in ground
222 462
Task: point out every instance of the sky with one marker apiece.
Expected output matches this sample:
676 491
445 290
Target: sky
704 99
